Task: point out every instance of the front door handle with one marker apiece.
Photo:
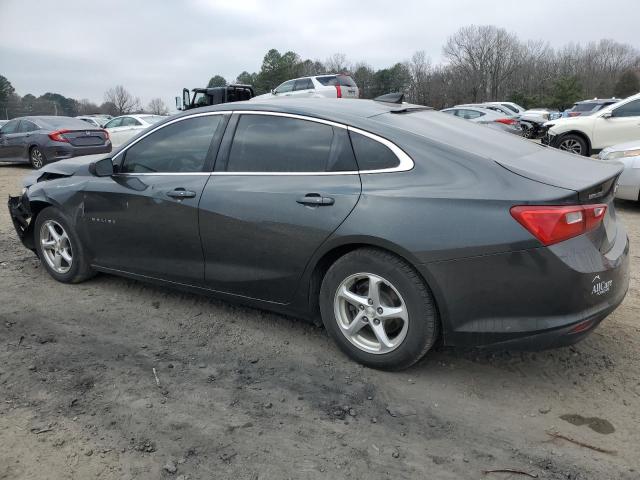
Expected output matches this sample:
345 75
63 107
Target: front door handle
181 193
315 200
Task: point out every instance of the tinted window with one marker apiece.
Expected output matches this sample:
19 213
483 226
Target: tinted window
116 122
285 87
10 127
371 154
332 80
303 84
179 147
130 122
27 126
265 143
631 109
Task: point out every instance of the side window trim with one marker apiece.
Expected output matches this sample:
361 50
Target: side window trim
119 157
224 144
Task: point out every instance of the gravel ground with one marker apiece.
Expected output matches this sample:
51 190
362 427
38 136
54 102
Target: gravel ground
247 394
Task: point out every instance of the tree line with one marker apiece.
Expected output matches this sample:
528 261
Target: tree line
481 63
117 101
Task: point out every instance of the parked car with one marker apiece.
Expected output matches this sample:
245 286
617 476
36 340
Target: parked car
125 127
39 140
90 120
487 117
588 107
588 134
532 122
394 224
504 111
2 122
325 86
514 107
204 97
629 181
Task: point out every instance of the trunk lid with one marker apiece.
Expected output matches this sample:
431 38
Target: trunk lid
84 138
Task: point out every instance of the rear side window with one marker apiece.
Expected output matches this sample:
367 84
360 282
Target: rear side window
116 122
26 126
631 109
371 154
178 147
469 114
303 84
130 122
266 143
332 80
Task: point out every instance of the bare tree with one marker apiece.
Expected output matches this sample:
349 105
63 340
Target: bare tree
87 107
337 63
157 107
123 100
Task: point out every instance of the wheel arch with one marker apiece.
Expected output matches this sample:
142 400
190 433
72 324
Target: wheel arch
329 255
580 134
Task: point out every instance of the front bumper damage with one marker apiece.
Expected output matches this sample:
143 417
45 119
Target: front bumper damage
20 214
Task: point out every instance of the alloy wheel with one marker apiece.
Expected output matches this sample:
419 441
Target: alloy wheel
37 159
371 313
56 247
571 145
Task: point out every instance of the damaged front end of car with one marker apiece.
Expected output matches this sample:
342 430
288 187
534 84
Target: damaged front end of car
20 213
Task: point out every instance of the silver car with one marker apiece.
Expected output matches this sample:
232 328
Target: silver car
629 181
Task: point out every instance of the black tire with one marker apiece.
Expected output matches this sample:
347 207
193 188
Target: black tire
573 140
79 269
37 158
423 325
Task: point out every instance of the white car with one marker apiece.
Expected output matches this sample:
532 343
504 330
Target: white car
319 86
629 181
123 128
91 121
514 107
588 134
495 106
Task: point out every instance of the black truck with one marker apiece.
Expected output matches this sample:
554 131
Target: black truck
203 97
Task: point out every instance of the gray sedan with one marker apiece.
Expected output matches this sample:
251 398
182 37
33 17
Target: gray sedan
40 140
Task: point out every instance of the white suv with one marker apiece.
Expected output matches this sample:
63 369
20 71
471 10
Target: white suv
327 86
588 134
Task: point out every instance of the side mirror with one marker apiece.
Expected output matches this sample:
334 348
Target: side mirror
186 99
102 168
607 115
273 91
178 103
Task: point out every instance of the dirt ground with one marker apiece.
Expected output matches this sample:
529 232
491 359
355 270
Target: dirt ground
246 394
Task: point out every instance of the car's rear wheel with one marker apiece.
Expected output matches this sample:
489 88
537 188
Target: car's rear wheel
36 158
573 144
378 309
59 247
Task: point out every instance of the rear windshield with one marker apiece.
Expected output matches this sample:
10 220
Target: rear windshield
584 107
332 80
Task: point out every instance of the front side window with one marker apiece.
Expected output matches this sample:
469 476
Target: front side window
179 147
266 143
631 109
285 87
371 154
10 127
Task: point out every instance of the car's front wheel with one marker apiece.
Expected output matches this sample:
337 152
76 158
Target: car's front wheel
378 309
573 144
59 247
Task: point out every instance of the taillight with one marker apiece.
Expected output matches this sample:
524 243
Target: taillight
57 136
507 121
574 114
106 135
555 224
338 91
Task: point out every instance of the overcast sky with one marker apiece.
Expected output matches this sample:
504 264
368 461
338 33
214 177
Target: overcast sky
154 48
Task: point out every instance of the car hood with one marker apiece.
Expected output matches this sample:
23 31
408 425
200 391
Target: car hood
63 168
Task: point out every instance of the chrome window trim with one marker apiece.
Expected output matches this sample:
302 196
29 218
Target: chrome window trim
406 162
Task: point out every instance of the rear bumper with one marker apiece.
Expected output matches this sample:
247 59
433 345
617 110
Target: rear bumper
60 151
533 299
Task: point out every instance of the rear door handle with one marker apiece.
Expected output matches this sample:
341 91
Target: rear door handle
181 193
315 200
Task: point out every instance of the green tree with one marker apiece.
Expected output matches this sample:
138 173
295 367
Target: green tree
627 84
217 81
246 78
6 92
566 91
